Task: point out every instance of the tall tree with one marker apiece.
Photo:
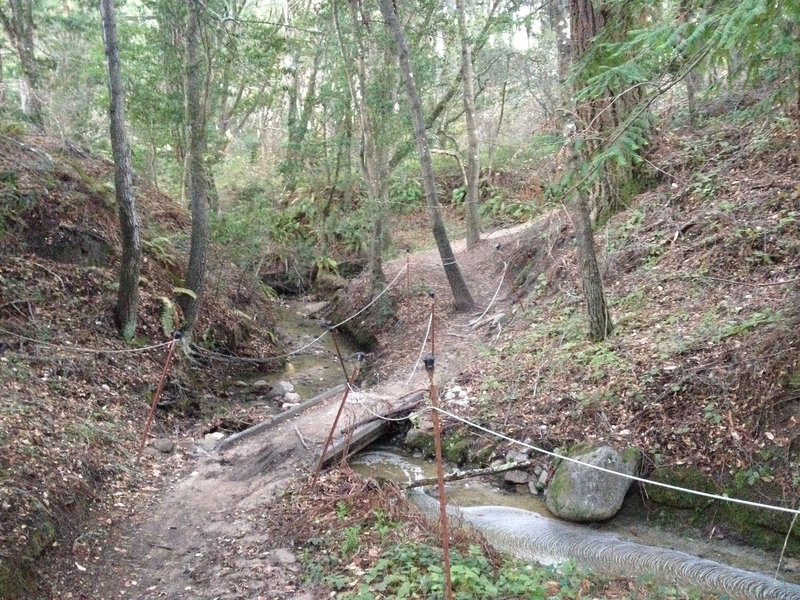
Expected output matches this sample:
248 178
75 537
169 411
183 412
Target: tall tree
128 293
197 189
584 25
374 154
473 148
461 295
17 19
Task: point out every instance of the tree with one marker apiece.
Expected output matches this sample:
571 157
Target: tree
17 20
374 154
473 149
197 189
585 24
458 287
128 293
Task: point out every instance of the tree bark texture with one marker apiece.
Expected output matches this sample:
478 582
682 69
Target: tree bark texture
600 324
473 149
196 176
128 293
461 295
17 20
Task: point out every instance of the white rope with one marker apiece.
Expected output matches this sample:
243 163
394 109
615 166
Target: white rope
791 511
421 349
497 291
87 350
360 392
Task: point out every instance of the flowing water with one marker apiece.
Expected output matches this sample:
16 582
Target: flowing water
521 525
315 368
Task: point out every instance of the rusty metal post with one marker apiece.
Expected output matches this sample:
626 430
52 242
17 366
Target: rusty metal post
156 396
348 383
437 445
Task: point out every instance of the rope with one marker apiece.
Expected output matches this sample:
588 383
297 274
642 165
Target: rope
87 350
497 291
421 350
791 511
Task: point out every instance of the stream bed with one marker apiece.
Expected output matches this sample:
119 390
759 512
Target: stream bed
522 525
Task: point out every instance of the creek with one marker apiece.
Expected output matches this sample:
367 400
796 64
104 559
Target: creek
521 525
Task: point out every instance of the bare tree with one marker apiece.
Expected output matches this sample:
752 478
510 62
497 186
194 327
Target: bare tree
473 149
196 183
128 293
17 20
458 287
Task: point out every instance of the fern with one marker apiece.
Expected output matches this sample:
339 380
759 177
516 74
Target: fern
167 317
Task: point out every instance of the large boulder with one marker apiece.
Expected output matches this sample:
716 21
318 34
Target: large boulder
578 493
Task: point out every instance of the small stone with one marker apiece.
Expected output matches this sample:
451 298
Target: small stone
516 476
283 556
261 383
288 405
456 389
214 436
537 470
292 397
462 394
532 488
544 476
449 396
163 445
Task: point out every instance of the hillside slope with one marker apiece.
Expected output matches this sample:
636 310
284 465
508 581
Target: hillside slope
74 395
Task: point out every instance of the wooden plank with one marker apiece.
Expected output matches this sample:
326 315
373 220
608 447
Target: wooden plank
360 439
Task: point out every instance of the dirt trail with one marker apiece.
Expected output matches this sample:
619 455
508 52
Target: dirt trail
207 534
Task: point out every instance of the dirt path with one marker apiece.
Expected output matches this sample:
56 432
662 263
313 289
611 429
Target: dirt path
207 535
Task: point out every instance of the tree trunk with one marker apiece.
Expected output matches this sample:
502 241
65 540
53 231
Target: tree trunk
458 287
473 149
196 176
558 17
17 22
128 293
586 22
374 162
600 323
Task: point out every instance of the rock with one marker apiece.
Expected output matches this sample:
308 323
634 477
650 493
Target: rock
544 476
416 439
283 556
532 488
292 397
449 396
209 441
288 405
578 493
516 476
261 383
537 470
514 456
163 445
280 389
456 390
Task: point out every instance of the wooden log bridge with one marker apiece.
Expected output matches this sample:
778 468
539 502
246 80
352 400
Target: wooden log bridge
358 436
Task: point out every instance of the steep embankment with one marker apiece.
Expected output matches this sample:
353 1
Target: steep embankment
74 395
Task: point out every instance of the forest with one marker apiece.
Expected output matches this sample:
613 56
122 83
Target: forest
399 299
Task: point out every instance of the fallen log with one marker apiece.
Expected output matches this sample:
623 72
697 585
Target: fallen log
458 475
